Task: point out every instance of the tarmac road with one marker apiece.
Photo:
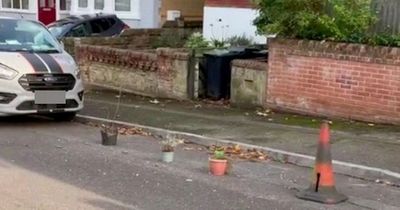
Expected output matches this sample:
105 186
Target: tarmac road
48 165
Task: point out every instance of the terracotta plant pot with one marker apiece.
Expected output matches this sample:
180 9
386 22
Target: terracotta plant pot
218 166
167 157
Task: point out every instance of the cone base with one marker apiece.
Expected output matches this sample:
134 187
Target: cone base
330 196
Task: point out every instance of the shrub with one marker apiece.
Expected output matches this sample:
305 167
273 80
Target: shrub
240 41
171 38
335 20
196 41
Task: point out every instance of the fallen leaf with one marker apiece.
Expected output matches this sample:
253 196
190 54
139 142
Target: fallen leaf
155 101
262 114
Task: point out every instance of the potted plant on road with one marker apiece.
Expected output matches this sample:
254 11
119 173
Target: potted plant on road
109 131
218 163
168 148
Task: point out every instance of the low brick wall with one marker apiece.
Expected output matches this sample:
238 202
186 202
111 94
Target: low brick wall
334 79
162 73
129 39
248 83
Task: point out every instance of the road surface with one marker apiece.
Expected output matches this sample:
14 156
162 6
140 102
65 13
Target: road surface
48 165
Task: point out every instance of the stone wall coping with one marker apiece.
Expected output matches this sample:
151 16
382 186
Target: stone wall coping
250 64
338 50
142 60
175 53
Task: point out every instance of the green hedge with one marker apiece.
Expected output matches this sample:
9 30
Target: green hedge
332 20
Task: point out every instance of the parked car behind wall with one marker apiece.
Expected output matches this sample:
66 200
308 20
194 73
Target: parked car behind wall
87 25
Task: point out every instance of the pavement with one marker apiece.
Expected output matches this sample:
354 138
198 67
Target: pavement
364 144
47 165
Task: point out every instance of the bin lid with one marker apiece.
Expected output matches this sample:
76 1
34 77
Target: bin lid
217 52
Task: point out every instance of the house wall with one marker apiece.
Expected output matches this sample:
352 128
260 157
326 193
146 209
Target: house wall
144 14
227 18
28 14
336 80
149 13
190 10
25 15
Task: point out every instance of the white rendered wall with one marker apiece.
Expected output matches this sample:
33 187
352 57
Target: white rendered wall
222 23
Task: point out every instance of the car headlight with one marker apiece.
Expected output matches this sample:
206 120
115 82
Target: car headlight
77 73
7 72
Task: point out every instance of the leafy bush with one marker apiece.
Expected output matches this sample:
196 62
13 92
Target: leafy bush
171 38
334 20
196 41
240 41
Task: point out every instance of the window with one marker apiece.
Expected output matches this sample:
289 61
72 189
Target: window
16 4
65 5
123 5
112 21
99 25
79 31
50 3
83 3
23 35
98 4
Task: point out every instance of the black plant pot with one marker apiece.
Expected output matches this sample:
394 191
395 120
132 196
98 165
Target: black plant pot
109 137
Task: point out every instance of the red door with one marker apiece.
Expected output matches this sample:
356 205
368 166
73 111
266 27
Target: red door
47 11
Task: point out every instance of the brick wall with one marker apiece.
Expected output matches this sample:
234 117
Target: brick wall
129 39
160 73
333 79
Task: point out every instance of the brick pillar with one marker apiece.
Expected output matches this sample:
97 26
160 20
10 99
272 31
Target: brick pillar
165 71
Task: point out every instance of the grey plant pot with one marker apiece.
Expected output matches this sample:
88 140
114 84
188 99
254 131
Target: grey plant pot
167 157
109 138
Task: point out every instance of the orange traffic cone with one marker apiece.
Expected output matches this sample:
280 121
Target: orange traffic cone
323 188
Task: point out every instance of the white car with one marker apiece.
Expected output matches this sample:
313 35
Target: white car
36 75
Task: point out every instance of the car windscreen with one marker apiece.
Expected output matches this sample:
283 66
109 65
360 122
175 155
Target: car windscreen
58 29
25 35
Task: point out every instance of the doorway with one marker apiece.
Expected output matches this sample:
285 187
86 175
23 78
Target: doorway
46 11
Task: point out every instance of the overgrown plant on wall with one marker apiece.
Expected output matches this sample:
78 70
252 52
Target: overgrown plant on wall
332 20
172 38
197 41
242 40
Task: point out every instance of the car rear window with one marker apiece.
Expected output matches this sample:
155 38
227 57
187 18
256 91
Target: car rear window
112 21
99 25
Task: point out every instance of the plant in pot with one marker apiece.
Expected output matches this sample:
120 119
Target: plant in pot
109 131
168 148
218 163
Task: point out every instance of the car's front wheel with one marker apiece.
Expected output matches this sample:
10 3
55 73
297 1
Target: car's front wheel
63 117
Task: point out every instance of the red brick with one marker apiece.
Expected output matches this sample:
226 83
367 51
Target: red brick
368 91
